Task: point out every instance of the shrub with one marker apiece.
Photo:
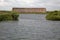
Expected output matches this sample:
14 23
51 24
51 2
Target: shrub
15 16
53 15
6 16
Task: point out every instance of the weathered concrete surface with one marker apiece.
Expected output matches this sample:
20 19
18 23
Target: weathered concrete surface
29 9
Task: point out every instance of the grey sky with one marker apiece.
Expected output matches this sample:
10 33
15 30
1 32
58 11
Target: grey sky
49 4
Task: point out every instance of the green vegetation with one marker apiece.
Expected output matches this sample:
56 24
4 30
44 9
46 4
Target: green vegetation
54 15
8 15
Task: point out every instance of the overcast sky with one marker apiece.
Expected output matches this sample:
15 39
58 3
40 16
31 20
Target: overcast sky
49 4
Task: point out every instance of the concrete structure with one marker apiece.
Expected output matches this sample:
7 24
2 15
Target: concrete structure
29 9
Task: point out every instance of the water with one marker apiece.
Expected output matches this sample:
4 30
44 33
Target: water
30 27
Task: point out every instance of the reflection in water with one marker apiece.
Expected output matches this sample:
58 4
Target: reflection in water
30 27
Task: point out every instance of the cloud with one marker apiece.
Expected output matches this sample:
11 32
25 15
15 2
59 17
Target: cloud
3 3
49 4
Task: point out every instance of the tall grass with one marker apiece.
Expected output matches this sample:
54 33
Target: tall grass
7 16
55 15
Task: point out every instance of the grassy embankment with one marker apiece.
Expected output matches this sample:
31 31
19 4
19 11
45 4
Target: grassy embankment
54 15
32 12
8 16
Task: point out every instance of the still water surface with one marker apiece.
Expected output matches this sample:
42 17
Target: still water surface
30 27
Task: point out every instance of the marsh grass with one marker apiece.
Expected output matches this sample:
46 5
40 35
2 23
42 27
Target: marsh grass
55 15
8 16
